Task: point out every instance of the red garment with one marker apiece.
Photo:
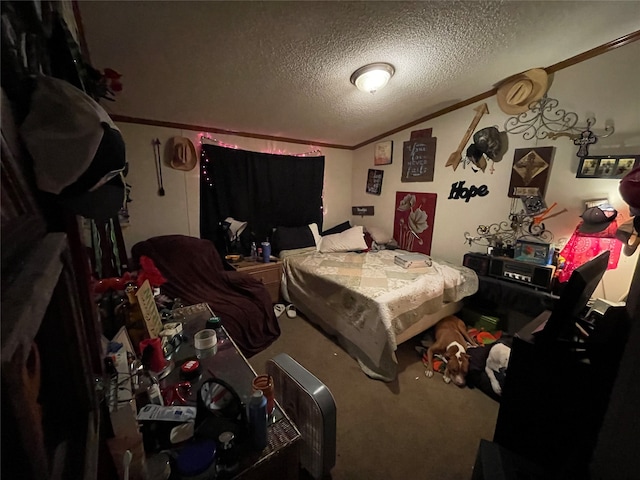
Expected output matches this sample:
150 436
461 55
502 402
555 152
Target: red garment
582 247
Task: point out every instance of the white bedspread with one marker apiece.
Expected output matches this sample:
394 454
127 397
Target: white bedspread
365 299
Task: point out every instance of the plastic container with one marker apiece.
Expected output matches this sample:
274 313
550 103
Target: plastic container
258 420
197 461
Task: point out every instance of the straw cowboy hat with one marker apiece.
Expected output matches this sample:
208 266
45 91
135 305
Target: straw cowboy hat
184 154
516 93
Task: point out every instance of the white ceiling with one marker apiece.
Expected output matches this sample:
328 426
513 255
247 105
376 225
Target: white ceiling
282 68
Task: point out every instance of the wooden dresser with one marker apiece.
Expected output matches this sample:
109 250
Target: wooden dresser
268 273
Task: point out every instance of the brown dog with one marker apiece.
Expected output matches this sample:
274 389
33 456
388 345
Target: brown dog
451 339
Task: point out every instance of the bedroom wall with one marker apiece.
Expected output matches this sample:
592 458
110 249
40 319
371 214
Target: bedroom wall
178 211
605 86
602 86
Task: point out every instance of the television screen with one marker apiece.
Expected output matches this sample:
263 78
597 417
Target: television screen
574 297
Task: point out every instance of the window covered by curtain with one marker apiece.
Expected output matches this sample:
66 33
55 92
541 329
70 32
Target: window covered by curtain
265 190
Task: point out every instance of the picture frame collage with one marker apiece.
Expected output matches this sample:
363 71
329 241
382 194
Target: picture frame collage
607 166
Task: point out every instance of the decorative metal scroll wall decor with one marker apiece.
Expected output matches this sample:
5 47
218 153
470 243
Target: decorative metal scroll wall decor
545 120
519 226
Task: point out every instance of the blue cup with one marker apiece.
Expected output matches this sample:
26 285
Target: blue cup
266 252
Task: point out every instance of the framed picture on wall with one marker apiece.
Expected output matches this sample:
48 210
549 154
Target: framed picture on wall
383 153
530 171
609 166
374 181
418 160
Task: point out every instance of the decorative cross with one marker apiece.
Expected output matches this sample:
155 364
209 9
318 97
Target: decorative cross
585 139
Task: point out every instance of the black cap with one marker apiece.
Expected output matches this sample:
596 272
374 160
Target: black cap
597 219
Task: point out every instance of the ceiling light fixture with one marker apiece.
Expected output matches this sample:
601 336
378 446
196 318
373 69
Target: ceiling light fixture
372 77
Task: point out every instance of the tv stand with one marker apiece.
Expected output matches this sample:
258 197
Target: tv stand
556 393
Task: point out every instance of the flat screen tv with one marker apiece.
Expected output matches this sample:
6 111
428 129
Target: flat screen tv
574 297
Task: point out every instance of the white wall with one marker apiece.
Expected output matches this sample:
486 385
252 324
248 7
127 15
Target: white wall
605 86
178 211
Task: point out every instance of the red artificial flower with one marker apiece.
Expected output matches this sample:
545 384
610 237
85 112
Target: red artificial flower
149 271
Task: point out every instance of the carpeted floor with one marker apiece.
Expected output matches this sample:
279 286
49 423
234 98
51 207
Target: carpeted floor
413 428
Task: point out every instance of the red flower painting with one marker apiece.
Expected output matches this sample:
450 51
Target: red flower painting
413 223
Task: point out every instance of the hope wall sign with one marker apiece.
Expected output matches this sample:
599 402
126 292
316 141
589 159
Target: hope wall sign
458 191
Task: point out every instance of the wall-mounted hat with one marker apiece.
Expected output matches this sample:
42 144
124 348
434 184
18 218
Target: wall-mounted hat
597 219
183 154
491 142
516 93
78 152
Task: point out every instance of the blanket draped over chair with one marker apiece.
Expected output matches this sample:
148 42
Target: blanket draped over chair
195 273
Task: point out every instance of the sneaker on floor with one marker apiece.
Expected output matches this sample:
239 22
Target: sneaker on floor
278 309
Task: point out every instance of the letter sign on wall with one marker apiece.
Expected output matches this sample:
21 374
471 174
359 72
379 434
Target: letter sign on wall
459 191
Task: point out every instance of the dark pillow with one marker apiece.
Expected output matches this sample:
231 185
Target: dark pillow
288 238
368 239
337 229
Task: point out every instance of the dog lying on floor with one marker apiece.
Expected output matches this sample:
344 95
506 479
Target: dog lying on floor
451 338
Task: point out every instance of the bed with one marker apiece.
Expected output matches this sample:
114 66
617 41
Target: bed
369 303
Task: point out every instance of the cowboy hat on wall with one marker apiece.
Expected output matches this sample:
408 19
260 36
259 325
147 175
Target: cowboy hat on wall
517 93
183 154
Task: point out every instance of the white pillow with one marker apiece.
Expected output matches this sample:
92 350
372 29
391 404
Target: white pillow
379 235
316 234
347 241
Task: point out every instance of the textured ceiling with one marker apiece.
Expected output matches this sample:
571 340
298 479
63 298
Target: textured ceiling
282 68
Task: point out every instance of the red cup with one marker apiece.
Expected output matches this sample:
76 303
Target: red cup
265 383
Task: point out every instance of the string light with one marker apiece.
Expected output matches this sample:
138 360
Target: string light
205 138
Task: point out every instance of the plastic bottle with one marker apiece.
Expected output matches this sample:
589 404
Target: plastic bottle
228 459
254 252
258 420
266 251
148 390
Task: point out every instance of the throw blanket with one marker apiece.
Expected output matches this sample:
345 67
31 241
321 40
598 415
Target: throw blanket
195 273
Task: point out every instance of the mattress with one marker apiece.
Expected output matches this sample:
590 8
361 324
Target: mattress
369 303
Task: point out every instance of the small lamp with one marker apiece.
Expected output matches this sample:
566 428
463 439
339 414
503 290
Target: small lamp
233 229
372 77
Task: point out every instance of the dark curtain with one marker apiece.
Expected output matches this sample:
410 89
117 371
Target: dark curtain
265 190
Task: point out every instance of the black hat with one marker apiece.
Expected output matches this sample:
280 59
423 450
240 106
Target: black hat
491 142
597 219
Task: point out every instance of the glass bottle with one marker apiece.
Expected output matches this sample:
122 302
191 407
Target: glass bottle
254 252
134 319
215 323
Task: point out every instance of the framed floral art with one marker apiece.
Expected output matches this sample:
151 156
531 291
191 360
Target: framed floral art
414 219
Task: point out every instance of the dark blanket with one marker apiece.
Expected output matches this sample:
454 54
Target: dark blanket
195 273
